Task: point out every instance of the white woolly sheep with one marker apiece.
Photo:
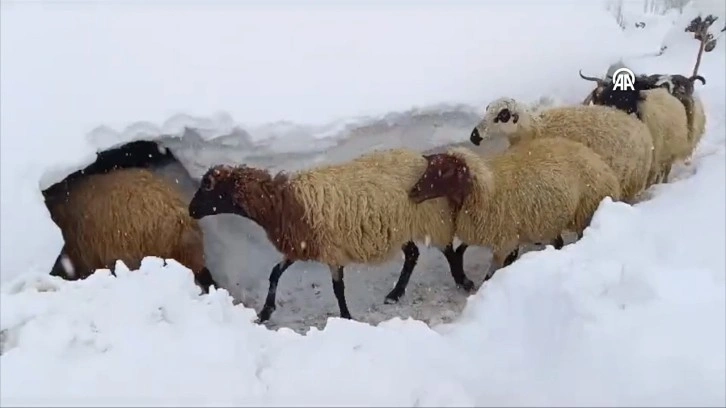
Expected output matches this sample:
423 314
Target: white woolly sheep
354 212
666 119
124 215
624 143
527 194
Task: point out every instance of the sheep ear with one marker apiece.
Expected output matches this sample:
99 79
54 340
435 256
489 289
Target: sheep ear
429 158
503 116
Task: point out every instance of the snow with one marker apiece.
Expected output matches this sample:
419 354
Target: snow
634 313
77 78
677 39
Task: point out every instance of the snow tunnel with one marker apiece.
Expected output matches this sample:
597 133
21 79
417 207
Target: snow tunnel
238 252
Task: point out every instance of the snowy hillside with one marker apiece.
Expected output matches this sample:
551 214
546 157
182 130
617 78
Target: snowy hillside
632 314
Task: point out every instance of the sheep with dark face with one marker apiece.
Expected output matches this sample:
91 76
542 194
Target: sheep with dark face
682 88
124 215
601 82
624 100
354 212
527 194
666 117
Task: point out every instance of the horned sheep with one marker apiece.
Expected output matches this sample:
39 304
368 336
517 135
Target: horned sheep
354 212
624 143
124 215
680 86
666 119
527 194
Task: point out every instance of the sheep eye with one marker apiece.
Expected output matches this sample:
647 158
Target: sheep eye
503 116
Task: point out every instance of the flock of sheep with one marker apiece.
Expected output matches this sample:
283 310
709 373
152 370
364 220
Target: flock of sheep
561 163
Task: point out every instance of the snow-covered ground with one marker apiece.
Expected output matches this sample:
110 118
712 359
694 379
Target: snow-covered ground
632 314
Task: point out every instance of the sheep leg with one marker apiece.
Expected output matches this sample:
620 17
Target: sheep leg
558 243
269 306
666 172
410 253
205 280
339 290
456 265
497 262
59 269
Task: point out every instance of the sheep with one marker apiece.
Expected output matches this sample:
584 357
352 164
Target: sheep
677 85
526 194
124 214
682 88
608 77
354 212
136 154
624 143
626 102
666 119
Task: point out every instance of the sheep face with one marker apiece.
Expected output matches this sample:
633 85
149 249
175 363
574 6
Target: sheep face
445 176
500 119
679 85
626 100
216 194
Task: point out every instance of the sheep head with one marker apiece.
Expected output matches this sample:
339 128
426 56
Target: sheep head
445 176
599 88
680 85
500 119
218 192
627 100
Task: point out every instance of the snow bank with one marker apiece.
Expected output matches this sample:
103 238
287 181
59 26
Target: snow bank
77 78
634 314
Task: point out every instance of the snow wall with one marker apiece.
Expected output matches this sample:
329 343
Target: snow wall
78 79
644 325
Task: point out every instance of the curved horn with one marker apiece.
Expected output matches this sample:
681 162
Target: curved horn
697 77
587 78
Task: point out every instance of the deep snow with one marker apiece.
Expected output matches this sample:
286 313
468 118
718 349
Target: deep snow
77 78
634 313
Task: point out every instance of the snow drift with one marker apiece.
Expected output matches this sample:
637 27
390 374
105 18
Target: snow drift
632 314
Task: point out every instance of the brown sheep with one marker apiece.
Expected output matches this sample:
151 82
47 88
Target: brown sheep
125 215
527 194
354 212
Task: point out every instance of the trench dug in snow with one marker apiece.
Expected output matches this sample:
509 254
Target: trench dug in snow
240 257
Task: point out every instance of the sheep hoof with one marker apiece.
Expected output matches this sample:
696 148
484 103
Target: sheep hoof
264 314
466 284
393 297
